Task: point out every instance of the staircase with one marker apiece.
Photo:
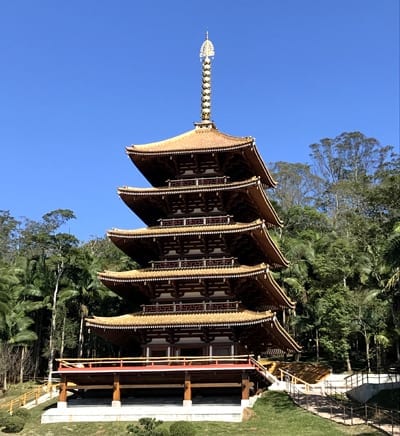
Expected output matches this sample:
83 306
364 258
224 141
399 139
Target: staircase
261 369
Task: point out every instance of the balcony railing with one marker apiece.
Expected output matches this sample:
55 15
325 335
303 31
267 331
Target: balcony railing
195 221
189 362
222 262
225 306
198 181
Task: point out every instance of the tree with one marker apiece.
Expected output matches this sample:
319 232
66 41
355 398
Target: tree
392 288
297 187
370 318
8 235
53 252
347 164
17 327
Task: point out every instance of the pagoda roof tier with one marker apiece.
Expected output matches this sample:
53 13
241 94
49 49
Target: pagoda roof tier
244 200
118 328
254 285
238 156
248 241
197 319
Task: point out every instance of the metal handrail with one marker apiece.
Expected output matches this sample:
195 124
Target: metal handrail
362 377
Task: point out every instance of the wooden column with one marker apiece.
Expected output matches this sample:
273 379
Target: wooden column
116 399
187 391
62 397
245 387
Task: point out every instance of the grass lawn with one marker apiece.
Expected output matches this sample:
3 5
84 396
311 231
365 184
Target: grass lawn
274 415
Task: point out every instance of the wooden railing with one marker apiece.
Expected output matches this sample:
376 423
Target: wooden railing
218 262
195 221
226 306
184 361
294 380
27 397
198 181
263 370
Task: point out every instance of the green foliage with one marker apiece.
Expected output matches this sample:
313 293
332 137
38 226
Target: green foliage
13 424
182 428
145 427
3 416
22 413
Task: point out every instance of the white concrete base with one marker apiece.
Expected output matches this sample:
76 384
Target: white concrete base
245 403
187 403
278 386
366 391
62 405
115 403
222 413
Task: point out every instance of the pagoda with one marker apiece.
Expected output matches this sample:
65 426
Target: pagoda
206 300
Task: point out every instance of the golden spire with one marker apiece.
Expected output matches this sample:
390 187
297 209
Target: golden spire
206 54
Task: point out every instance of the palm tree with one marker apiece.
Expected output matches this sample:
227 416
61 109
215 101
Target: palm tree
392 258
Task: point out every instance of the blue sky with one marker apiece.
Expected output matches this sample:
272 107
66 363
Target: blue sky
80 80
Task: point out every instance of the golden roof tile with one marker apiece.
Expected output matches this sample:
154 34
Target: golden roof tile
129 190
253 187
149 232
140 320
170 274
197 140
169 231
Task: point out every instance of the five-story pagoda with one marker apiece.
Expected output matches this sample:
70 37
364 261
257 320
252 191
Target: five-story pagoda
204 290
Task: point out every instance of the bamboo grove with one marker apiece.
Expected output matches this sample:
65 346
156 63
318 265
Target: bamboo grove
341 235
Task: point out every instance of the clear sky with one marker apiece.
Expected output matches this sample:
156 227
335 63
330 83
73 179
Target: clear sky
82 79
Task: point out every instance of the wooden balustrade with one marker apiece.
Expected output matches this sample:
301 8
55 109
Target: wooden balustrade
203 181
139 362
226 306
218 262
195 221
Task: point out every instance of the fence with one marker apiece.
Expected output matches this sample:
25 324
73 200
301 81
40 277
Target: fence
334 406
363 377
27 397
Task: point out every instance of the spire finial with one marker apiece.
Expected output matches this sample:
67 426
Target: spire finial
206 54
207 49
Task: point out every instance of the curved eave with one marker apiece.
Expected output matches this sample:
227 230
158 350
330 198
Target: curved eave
133 324
135 198
191 320
192 140
272 286
134 241
200 141
127 283
283 337
140 275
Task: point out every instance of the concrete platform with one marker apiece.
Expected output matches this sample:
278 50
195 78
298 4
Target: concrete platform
170 409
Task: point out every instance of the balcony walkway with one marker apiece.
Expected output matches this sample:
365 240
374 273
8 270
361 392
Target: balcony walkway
153 364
